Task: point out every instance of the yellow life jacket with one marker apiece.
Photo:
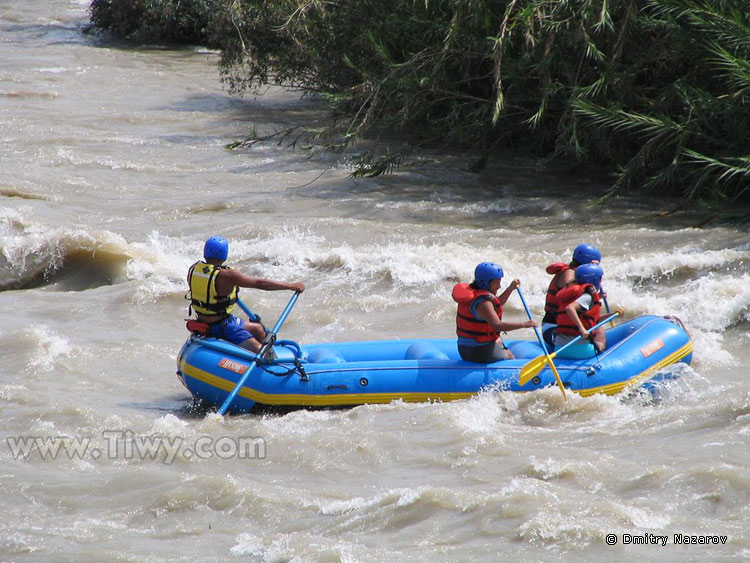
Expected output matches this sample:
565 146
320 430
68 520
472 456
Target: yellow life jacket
203 297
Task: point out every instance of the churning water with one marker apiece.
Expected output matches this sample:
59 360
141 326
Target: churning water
113 173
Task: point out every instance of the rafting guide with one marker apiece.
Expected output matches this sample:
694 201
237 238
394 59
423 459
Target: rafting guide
214 292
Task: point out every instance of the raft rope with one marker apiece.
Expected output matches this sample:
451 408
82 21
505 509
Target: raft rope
678 322
297 368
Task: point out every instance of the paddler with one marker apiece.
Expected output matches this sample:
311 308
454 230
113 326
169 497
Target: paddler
562 276
479 316
214 291
579 309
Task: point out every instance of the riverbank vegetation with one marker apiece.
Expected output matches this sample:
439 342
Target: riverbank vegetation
658 91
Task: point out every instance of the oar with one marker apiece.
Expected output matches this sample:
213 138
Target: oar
606 308
541 343
536 365
252 316
267 342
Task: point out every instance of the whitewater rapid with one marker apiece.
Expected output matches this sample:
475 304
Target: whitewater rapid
114 171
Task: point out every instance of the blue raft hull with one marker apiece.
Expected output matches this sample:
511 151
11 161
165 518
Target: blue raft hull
355 373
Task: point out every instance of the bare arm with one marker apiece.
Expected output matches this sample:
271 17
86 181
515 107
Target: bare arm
227 279
487 313
572 311
503 297
566 278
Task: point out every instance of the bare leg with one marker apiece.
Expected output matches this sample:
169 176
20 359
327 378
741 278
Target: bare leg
600 340
256 343
251 344
256 329
508 354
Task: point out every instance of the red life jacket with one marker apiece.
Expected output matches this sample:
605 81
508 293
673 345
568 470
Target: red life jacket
467 325
566 296
551 305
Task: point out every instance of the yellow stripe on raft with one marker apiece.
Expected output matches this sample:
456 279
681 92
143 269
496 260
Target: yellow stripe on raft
327 400
306 400
615 388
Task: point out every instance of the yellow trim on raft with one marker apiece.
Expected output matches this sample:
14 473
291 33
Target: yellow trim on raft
409 397
615 388
305 400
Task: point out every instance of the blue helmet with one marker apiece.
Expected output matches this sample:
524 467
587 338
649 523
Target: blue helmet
216 247
585 254
485 273
589 273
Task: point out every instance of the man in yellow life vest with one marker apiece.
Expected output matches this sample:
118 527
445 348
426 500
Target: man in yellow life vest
214 290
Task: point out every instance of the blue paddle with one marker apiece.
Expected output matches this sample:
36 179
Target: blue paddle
606 308
541 343
267 343
536 365
252 316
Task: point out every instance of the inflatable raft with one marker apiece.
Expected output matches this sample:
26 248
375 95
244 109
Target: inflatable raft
355 373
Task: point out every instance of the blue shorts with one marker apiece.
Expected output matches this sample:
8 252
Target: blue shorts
231 329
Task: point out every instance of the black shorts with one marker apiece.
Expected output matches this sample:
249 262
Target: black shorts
485 354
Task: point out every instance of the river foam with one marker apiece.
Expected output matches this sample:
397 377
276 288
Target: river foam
115 172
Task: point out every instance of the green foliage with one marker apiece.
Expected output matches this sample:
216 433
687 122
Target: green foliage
689 126
157 21
656 89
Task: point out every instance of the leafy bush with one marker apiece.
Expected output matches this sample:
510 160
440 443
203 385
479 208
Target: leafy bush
655 89
157 21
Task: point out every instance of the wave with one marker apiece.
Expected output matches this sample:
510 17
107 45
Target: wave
363 285
29 94
69 269
74 260
34 255
708 289
10 191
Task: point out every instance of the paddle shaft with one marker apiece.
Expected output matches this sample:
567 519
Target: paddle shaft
267 342
528 313
577 338
606 308
252 316
533 367
543 345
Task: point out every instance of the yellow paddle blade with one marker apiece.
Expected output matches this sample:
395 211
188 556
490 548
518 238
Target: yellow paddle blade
560 384
532 368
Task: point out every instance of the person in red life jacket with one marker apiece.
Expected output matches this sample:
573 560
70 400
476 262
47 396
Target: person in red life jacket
214 291
579 310
479 316
562 276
